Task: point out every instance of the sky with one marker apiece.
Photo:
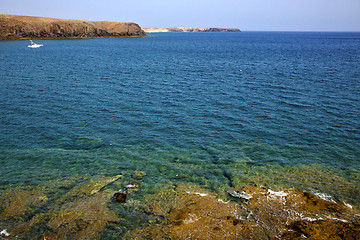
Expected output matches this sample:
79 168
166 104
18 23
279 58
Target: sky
248 15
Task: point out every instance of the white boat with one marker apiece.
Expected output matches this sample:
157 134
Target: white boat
34 45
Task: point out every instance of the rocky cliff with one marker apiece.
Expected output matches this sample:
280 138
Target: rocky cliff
190 29
24 27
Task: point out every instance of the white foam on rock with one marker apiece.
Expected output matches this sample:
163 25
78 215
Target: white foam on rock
274 195
277 194
312 219
241 194
337 219
222 201
348 205
325 197
198 193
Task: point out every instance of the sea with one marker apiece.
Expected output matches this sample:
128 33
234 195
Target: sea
217 110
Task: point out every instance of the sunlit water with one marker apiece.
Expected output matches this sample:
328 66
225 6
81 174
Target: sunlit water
213 109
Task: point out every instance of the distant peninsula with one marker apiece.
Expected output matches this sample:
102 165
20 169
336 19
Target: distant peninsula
189 29
25 27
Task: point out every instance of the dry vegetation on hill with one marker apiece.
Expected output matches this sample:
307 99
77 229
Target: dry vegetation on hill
25 27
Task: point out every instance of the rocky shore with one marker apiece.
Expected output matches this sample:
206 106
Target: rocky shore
25 27
85 207
189 29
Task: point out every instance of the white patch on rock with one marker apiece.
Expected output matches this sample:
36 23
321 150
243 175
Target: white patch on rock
348 205
192 219
198 193
325 197
222 201
311 219
338 219
277 194
250 213
241 194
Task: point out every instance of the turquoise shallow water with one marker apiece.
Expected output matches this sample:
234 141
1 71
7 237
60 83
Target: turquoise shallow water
279 109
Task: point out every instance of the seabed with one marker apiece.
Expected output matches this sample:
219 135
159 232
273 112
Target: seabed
200 193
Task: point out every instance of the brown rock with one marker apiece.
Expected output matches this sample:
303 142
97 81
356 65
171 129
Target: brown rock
324 229
275 210
120 197
50 236
193 213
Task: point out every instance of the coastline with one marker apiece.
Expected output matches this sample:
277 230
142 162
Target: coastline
26 27
63 38
85 207
188 29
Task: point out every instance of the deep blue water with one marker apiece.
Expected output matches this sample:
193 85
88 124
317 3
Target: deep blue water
101 106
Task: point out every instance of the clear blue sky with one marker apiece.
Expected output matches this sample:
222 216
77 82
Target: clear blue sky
251 15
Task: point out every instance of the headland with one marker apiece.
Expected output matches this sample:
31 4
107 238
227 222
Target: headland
26 27
189 29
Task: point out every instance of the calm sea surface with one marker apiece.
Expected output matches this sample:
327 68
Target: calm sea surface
277 109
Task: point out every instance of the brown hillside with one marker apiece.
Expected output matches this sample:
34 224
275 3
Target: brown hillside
25 27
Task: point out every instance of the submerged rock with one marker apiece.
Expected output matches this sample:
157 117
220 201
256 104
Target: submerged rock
81 213
132 187
88 189
89 142
84 218
120 197
18 202
84 213
139 175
